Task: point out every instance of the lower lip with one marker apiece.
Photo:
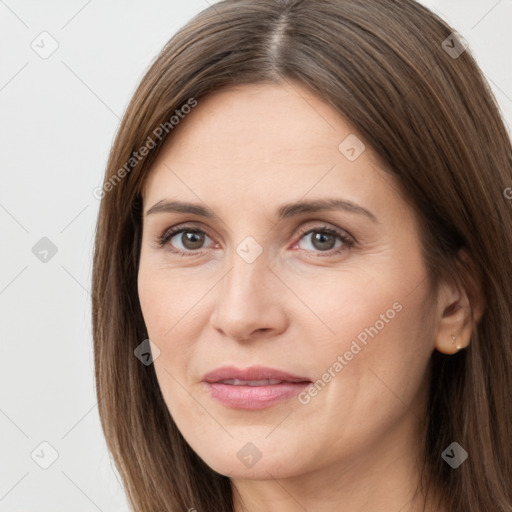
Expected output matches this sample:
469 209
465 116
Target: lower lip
255 397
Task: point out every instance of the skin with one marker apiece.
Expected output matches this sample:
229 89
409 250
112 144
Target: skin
354 445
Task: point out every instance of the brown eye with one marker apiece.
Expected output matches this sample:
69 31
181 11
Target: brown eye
325 240
192 240
184 240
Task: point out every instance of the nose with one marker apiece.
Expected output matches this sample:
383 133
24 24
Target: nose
250 301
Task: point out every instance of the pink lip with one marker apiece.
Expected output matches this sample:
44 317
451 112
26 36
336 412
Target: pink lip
253 397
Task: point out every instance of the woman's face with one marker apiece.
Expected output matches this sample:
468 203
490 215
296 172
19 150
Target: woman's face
261 280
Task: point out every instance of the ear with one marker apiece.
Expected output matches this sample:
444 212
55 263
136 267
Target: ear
460 309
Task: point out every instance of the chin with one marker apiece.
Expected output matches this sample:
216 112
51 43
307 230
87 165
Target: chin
260 471
246 460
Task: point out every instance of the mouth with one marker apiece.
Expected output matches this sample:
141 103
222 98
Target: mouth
239 382
256 387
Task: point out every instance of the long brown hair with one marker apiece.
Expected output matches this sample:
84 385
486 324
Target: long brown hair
386 67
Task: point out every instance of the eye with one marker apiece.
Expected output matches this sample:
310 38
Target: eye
325 239
184 240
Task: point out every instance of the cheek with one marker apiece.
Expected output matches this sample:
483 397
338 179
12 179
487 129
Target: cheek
377 360
373 341
172 304
169 300
167 305
347 306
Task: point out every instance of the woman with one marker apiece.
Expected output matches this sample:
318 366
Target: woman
301 274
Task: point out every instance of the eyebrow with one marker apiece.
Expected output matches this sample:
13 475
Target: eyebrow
285 211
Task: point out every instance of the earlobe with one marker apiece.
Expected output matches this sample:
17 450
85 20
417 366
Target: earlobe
455 347
453 343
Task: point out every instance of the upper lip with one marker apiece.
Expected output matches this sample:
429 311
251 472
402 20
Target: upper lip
251 374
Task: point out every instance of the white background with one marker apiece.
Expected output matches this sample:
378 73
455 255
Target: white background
58 119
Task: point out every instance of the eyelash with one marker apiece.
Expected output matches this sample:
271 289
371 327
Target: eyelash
348 241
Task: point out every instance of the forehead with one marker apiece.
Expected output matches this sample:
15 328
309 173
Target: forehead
262 123
263 144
